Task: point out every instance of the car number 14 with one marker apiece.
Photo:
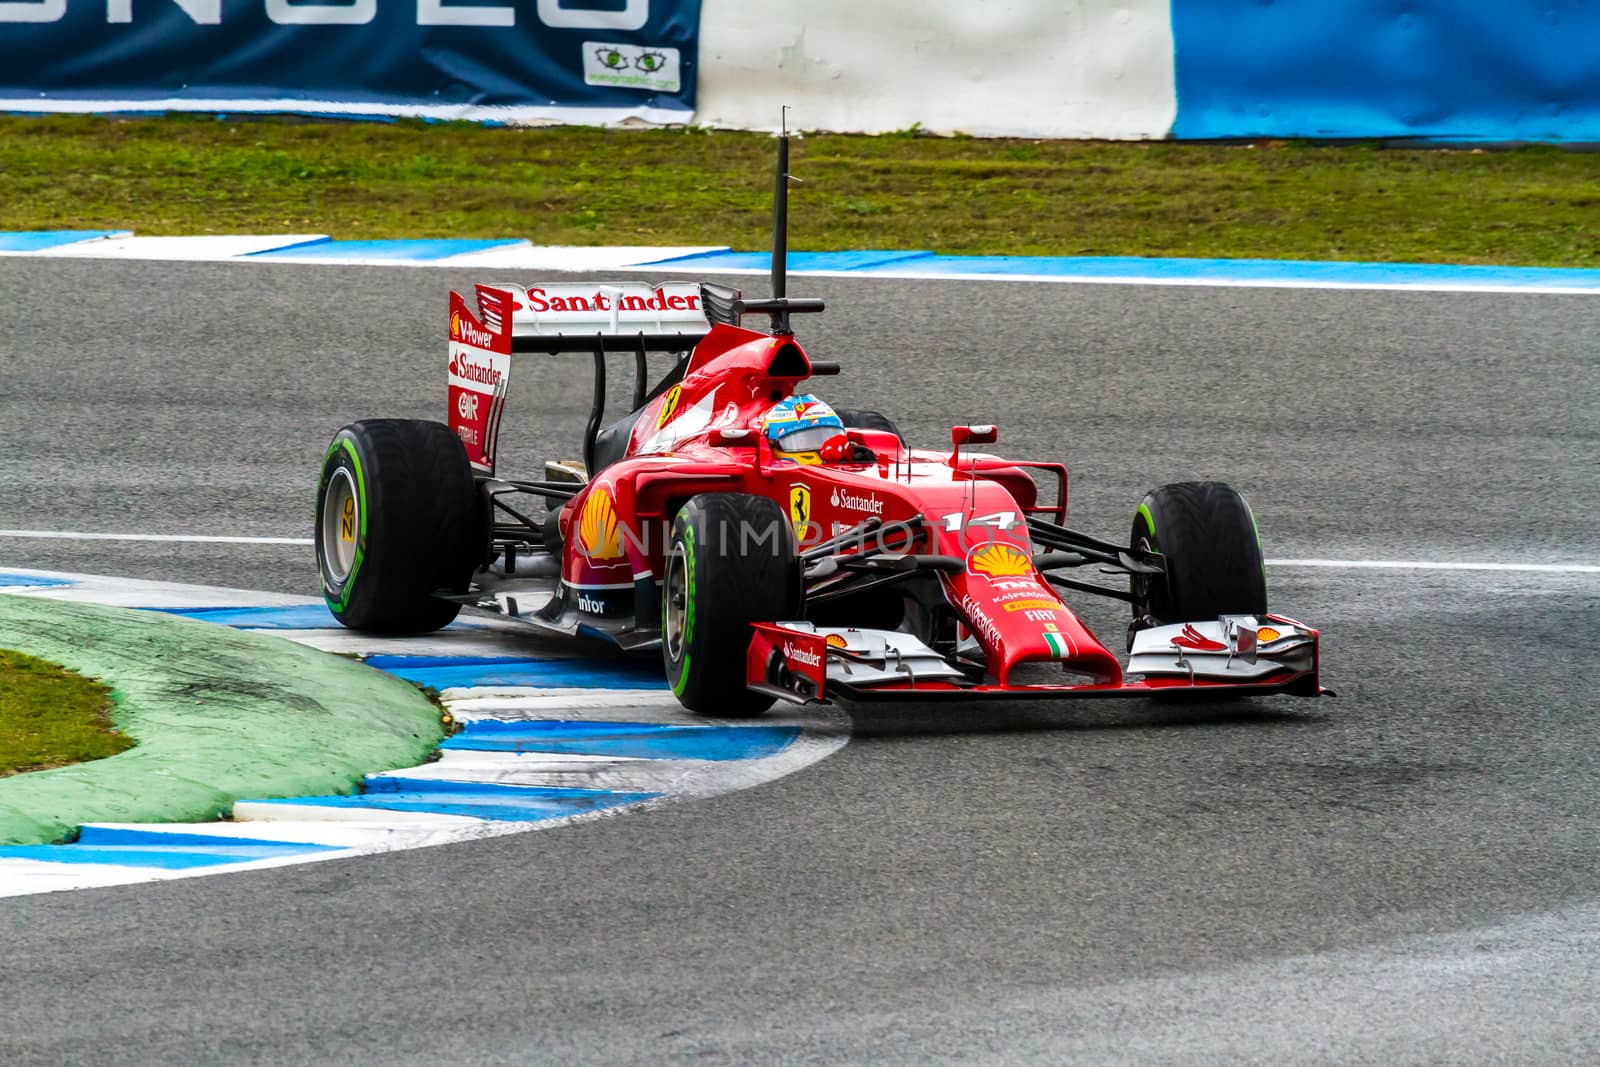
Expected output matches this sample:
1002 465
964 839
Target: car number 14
956 521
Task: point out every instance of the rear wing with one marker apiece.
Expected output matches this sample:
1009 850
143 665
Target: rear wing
595 317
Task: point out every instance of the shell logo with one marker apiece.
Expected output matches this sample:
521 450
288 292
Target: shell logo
999 560
597 528
837 641
1268 634
455 325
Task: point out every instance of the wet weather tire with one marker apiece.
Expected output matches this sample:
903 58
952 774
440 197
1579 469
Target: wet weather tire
1213 554
398 518
719 579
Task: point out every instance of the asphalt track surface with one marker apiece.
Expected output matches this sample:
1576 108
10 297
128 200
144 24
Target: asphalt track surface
1404 874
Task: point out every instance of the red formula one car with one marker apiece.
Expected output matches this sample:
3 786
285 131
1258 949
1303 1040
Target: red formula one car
833 561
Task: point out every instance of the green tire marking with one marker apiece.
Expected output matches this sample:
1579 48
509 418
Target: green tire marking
346 445
1257 528
1149 519
682 681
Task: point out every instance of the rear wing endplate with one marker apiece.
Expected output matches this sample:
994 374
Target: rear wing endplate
596 317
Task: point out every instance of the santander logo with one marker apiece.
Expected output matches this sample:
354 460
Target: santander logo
863 502
541 302
800 655
462 366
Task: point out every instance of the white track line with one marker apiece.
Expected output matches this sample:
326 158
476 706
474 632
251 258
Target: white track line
1328 564
1422 565
910 273
75 535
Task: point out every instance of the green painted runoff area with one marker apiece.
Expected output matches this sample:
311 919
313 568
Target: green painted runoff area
216 715
196 174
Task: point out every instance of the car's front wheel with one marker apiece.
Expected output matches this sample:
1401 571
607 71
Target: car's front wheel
398 519
731 562
1208 537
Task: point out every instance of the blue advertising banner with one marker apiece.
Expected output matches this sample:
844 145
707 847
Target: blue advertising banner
505 60
1470 70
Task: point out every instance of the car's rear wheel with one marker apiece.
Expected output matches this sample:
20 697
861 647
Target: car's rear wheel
1207 535
731 561
870 420
398 519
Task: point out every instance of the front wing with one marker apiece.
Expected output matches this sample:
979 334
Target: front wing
1231 656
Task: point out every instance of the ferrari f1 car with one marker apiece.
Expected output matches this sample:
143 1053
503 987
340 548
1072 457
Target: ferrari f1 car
863 569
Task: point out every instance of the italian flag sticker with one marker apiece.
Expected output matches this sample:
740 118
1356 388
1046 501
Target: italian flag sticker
1058 645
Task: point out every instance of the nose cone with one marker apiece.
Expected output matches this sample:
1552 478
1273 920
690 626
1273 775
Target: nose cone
1018 618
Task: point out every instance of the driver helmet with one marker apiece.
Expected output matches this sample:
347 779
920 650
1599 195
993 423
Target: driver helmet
799 426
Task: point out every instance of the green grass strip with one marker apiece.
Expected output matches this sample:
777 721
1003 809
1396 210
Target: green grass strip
50 717
1282 200
216 715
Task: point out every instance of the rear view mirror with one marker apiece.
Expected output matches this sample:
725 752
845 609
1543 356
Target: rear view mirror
732 438
974 435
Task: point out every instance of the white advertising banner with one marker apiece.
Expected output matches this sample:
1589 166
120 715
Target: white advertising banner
990 68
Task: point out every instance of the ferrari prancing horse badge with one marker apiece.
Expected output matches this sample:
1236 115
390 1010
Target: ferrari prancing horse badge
800 509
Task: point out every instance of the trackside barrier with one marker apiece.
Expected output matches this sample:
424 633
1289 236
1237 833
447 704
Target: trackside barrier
499 60
1192 69
1495 70
1024 68
1113 69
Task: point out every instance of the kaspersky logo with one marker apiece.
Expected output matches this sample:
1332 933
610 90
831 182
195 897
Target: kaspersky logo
999 560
